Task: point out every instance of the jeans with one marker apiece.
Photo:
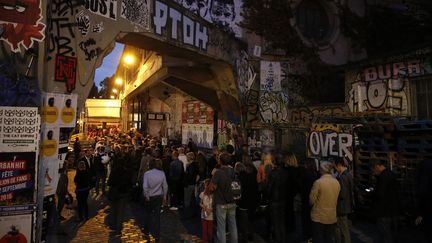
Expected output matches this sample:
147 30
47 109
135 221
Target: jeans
226 213
82 203
385 229
176 192
152 209
323 233
100 181
188 193
278 219
246 218
342 230
118 208
207 231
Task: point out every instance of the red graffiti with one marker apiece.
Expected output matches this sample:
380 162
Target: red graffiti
65 71
21 23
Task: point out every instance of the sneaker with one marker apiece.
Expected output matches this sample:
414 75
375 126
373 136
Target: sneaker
173 208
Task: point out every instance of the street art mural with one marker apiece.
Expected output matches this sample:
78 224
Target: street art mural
223 13
273 107
330 140
166 23
20 23
137 12
385 88
305 116
246 74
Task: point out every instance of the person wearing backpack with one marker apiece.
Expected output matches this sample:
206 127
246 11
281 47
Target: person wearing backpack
223 199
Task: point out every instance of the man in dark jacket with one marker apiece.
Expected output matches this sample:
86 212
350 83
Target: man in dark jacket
176 181
385 203
278 196
345 201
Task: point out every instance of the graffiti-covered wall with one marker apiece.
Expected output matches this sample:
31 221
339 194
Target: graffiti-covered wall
385 86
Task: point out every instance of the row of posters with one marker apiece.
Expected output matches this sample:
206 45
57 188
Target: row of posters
58 121
19 149
196 112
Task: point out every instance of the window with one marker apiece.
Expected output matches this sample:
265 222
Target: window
423 98
313 21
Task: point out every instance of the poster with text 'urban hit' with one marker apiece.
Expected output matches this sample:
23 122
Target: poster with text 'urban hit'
19 129
17 179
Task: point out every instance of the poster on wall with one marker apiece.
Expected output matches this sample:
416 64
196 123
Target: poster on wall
201 134
16 228
19 129
196 112
50 160
270 76
17 180
267 138
331 140
59 109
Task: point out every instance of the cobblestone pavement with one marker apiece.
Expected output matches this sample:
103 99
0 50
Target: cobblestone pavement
174 227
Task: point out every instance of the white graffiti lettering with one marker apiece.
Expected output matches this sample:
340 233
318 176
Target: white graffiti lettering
330 144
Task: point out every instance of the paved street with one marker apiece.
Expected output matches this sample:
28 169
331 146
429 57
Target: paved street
174 228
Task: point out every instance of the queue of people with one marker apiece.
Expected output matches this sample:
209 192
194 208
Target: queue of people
232 189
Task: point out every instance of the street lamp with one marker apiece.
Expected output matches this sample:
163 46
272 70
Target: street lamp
119 81
112 97
129 59
115 91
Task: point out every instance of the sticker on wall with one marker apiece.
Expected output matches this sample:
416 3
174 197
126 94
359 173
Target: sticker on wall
65 71
59 109
19 129
49 142
20 23
137 12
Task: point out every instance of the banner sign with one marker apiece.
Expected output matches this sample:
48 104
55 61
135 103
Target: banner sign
19 129
17 178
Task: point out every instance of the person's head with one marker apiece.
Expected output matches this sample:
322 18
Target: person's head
51 102
257 155
291 160
326 167
377 166
190 157
225 158
340 165
181 150
267 158
87 152
230 149
310 164
76 139
174 155
68 103
153 163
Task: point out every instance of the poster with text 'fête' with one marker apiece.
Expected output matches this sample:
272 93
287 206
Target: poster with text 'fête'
17 180
19 129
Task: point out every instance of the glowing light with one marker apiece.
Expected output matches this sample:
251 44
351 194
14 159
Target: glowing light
129 59
115 91
112 97
119 81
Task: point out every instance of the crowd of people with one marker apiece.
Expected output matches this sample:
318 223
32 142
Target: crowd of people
231 187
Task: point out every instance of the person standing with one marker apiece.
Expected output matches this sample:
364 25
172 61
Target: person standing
223 200
144 164
155 190
323 198
119 187
309 175
77 150
190 180
82 182
176 174
385 200
182 157
278 196
206 204
345 201
62 190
